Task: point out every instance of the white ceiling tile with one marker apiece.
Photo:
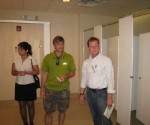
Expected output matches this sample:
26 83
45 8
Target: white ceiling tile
11 4
116 8
38 6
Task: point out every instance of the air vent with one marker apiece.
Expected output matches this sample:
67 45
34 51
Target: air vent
91 3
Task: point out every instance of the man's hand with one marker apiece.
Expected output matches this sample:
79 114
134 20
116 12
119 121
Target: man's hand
82 100
109 100
61 79
42 93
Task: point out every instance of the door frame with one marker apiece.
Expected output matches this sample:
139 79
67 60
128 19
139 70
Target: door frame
46 31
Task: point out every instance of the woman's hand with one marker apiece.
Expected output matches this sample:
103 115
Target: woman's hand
21 73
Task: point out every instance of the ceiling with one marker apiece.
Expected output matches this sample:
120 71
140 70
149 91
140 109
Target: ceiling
114 8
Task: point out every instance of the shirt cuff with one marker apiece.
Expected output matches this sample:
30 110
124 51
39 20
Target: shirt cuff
110 91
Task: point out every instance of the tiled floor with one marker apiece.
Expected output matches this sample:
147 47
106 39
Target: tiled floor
76 115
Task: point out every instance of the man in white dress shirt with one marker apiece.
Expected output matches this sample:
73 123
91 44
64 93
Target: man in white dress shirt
98 78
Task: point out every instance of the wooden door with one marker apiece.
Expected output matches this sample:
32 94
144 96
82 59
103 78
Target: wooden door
9 39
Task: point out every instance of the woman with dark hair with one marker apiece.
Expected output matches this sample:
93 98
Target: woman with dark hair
25 89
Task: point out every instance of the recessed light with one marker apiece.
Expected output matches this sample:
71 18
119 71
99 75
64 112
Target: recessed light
66 0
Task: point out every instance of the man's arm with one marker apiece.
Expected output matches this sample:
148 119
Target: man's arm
81 98
109 100
83 84
69 75
110 81
43 81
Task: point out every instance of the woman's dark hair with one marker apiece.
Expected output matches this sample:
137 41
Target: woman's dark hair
26 46
58 39
92 39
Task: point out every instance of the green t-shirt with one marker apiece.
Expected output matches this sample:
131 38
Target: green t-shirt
66 65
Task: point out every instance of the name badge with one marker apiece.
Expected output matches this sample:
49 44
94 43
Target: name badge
64 63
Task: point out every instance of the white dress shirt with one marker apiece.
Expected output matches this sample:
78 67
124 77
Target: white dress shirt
98 73
25 66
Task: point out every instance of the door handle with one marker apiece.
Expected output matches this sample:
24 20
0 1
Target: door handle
139 77
131 77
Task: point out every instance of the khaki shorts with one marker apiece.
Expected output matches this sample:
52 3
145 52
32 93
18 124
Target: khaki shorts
53 98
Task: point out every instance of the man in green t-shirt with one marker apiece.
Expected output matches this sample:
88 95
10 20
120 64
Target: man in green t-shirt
57 68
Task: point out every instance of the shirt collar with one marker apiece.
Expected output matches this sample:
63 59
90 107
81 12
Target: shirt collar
54 56
95 56
29 57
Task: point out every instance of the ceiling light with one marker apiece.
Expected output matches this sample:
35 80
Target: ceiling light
66 0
